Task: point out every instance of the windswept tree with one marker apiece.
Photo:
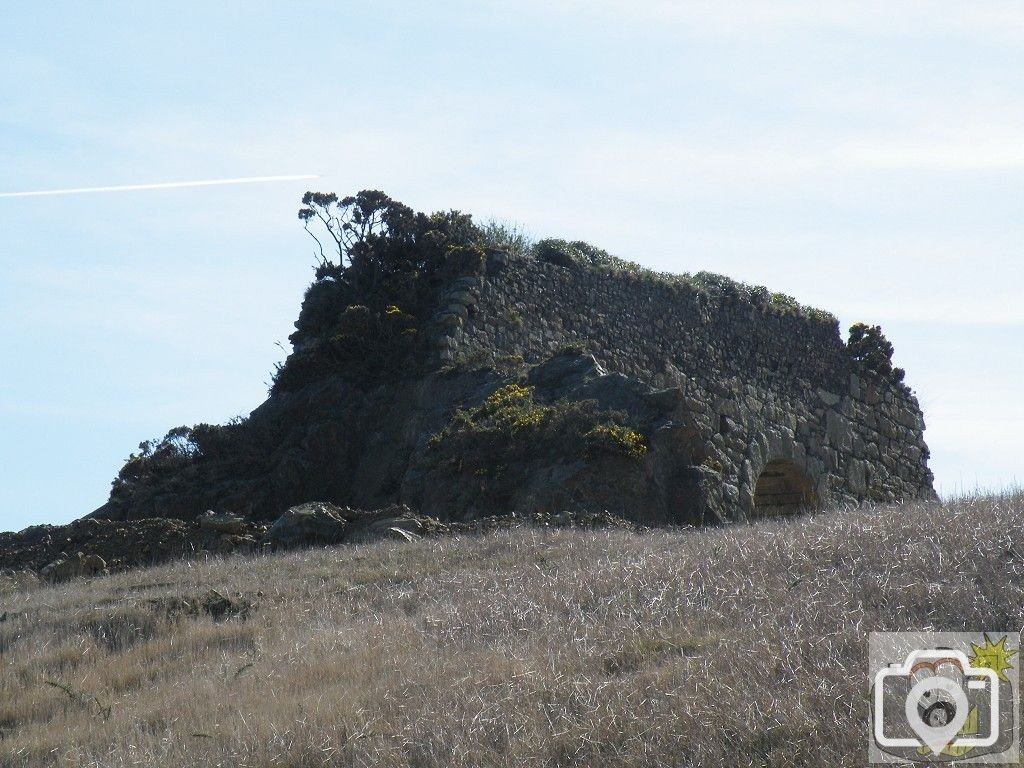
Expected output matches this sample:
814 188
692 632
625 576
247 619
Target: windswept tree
379 266
872 351
373 242
349 230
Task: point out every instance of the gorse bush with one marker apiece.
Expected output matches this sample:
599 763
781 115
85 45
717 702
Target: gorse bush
512 409
616 439
506 420
510 425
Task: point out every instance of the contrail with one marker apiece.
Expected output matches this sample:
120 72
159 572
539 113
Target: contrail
166 185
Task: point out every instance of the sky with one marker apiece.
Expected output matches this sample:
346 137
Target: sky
865 157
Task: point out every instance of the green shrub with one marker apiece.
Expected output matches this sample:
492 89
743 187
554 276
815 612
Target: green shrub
567 253
374 252
160 461
374 255
511 426
362 345
509 238
872 353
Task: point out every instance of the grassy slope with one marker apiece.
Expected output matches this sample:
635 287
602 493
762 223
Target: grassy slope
742 646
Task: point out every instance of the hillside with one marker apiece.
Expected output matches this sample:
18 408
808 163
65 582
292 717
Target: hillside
733 646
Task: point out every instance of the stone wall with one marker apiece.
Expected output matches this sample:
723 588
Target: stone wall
762 384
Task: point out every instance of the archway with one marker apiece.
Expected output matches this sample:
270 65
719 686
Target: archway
783 488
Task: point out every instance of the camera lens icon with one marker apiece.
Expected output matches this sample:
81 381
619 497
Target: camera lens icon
937 708
939 689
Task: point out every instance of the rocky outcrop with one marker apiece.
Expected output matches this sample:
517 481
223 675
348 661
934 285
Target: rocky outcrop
320 523
708 453
372 449
553 468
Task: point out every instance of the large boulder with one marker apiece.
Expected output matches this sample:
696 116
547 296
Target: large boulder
316 522
394 522
76 565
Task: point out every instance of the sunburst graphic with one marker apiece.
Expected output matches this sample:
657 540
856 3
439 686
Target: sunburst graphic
995 656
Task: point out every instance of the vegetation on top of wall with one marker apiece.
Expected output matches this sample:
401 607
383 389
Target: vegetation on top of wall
580 254
380 266
567 253
872 353
382 248
507 237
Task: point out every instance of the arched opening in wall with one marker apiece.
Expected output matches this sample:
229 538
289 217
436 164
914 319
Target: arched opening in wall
783 488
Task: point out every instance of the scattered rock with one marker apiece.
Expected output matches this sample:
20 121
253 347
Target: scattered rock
120 544
222 523
219 606
128 544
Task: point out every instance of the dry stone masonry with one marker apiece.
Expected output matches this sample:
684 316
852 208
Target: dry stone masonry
784 419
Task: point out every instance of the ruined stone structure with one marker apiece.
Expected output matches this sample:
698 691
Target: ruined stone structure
781 416
731 403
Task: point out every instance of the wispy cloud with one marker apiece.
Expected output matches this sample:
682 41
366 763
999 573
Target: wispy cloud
161 185
991 17
983 153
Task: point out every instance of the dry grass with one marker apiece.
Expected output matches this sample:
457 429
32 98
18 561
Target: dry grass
742 646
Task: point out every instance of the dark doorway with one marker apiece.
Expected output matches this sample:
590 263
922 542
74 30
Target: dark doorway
783 488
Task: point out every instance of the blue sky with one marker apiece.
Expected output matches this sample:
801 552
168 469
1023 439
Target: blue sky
862 157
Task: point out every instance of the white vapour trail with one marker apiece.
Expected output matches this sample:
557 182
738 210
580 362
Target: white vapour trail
165 185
